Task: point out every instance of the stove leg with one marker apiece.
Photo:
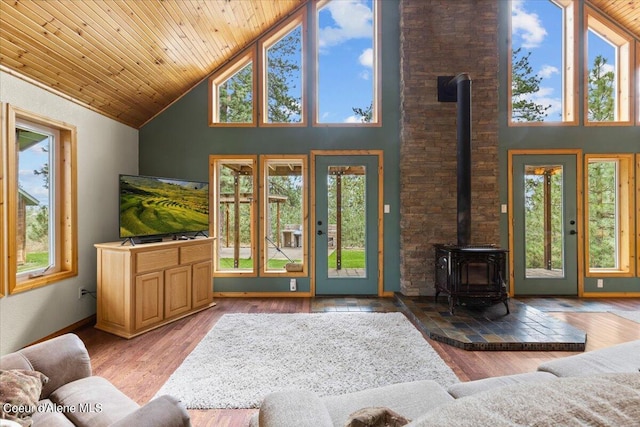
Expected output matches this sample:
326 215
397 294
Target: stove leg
506 305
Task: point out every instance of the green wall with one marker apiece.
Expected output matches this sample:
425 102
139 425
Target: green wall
177 143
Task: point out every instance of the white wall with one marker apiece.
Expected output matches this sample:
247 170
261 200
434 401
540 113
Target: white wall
105 149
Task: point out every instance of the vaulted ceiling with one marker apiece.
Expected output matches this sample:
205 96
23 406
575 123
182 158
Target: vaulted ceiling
129 60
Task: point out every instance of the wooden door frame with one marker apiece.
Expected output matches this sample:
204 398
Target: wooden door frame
579 210
380 155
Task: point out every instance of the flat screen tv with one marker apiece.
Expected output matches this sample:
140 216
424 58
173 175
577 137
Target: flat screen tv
155 206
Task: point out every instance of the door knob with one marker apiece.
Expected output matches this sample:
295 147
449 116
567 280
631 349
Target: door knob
320 233
572 232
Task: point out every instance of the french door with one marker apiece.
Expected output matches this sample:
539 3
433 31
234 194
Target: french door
346 224
544 223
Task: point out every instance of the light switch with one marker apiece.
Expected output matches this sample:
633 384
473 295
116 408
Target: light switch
387 209
503 208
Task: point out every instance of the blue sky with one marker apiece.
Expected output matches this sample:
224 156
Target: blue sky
345 59
537 27
34 158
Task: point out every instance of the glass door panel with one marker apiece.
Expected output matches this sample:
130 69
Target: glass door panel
346 222
545 251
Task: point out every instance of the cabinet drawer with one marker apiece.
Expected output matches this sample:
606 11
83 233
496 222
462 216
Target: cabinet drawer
156 260
195 253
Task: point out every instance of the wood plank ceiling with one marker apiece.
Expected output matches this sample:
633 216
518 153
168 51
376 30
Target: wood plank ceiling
129 60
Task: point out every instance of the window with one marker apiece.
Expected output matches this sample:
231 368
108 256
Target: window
271 78
234 200
610 248
283 74
284 210
347 81
41 228
232 93
542 70
608 71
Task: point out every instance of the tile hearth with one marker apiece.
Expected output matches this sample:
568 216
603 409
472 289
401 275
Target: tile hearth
490 328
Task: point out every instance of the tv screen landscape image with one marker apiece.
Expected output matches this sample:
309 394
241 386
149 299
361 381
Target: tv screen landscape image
154 206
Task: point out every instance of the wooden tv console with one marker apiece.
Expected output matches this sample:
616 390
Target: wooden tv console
148 285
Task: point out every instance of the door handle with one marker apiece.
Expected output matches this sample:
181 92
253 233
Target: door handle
572 232
320 233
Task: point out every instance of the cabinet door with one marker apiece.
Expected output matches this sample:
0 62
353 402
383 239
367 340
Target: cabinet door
177 291
149 299
201 284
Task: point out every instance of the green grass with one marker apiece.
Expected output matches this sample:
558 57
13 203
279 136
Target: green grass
35 260
351 258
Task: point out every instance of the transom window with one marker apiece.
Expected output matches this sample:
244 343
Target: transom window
343 71
543 57
609 72
347 62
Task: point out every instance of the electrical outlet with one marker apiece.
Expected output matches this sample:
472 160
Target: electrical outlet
600 283
81 292
293 285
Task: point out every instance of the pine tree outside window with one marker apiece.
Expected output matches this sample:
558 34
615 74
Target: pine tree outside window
608 72
609 212
542 66
232 94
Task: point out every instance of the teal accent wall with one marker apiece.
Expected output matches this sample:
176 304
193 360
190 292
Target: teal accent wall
177 143
591 139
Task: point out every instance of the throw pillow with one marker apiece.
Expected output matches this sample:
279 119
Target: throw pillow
376 417
19 394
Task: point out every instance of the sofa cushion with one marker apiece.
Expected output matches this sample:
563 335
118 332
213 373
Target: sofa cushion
71 361
49 418
163 411
19 394
376 417
93 401
618 358
410 399
472 387
300 408
608 399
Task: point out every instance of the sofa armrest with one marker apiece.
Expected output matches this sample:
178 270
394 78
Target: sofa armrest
164 411
62 359
297 408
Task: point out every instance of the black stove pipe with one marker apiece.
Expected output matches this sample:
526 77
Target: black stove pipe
458 89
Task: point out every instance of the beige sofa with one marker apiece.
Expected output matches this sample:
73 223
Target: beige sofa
72 396
600 387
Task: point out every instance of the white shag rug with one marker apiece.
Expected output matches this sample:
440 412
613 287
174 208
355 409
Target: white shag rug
631 315
246 356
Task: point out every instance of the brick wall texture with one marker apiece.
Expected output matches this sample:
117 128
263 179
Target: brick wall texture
444 38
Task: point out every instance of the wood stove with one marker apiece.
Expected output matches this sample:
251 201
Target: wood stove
471 275
466 273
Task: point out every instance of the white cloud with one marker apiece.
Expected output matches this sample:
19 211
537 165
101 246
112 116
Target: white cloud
366 58
353 19
527 25
354 119
547 71
608 68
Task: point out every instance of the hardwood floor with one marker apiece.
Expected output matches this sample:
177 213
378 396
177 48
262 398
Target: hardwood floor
141 365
